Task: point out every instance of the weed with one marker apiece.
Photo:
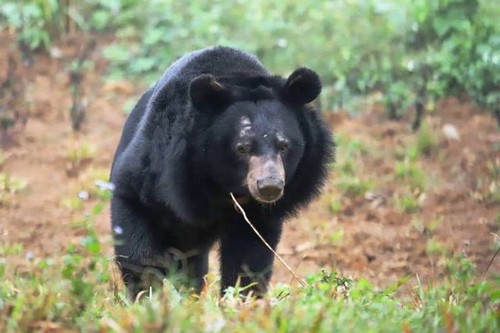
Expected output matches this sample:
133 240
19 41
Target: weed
10 186
494 168
408 167
91 184
78 155
346 167
436 248
487 187
408 202
410 172
73 203
354 186
427 229
335 206
336 237
427 141
10 249
349 151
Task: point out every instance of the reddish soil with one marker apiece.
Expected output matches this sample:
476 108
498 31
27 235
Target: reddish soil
369 237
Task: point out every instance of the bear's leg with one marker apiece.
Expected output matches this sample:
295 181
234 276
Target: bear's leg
190 267
139 250
245 257
198 268
147 253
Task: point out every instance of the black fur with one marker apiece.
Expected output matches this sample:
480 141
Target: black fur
174 168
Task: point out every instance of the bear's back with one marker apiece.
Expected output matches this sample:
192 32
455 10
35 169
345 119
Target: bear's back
169 94
219 61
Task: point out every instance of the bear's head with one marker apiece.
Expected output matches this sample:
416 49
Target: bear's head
253 135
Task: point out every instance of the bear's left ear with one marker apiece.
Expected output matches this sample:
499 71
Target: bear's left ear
206 93
302 86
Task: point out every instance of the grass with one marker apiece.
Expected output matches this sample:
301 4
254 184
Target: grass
80 290
78 154
348 168
492 192
407 202
408 167
75 292
335 206
427 140
410 172
9 187
352 186
88 186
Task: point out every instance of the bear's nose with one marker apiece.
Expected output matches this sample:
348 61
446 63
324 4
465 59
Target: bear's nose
270 188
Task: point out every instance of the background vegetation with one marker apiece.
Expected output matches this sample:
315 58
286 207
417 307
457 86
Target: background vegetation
405 55
412 52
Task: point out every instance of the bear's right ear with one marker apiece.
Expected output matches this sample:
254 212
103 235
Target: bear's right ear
302 86
207 93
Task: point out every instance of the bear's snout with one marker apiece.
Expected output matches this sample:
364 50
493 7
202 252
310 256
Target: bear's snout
266 178
270 188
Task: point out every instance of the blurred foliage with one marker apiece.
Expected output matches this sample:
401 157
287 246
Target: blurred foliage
411 51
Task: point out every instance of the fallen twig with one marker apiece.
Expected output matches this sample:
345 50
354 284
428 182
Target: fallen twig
240 209
491 260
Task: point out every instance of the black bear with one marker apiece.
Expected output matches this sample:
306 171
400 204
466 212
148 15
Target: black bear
217 122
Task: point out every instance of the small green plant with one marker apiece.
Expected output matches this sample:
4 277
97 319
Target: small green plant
336 237
11 249
436 248
461 268
411 172
73 203
349 151
426 140
407 202
78 155
335 206
426 228
10 186
91 184
93 181
80 152
346 167
354 186
487 186
397 99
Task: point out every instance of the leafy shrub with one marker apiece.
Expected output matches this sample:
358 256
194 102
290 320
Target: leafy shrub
454 42
40 22
412 51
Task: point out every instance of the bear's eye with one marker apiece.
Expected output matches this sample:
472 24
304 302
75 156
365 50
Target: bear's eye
282 146
243 148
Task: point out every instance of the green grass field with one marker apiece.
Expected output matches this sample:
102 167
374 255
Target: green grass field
81 292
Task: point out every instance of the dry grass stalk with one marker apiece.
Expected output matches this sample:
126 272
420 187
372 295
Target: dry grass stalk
242 211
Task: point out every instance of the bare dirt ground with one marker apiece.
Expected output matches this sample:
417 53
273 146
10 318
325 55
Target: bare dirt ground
367 237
